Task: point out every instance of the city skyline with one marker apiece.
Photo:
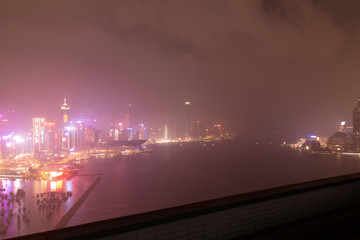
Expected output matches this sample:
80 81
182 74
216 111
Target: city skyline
64 133
70 113
236 60
137 118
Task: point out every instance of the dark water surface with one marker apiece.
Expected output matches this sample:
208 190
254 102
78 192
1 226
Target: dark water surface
176 174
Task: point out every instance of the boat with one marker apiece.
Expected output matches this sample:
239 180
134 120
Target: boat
351 153
146 150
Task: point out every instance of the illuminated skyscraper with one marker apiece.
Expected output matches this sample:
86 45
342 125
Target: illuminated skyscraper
166 134
49 142
141 132
65 108
187 118
217 130
120 133
126 120
69 138
199 130
80 140
130 133
28 143
38 135
3 125
89 136
128 114
356 127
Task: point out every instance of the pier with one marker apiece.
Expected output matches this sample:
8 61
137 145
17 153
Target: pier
68 215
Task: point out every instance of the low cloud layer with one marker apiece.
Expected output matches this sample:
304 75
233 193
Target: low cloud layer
256 66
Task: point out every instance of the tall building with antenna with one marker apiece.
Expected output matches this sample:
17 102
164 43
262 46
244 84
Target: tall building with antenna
187 118
65 108
65 129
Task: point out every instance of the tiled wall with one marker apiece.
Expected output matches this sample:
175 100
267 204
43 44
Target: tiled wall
249 218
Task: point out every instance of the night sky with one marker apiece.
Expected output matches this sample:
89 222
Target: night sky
254 66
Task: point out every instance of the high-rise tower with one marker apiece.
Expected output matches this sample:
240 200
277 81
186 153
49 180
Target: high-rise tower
64 109
49 142
38 135
187 118
356 127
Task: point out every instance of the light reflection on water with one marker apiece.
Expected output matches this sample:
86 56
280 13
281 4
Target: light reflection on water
53 186
39 220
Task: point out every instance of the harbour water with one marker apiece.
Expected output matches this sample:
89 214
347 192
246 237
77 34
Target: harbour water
174 174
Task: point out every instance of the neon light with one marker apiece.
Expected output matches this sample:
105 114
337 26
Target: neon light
18 139
6 137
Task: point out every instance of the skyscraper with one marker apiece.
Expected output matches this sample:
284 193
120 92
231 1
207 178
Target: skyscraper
38 134
356 127
141 132
89 136
166 134
3 125
80 141
65 108
69 138
187 118
217 130
199 130
49 144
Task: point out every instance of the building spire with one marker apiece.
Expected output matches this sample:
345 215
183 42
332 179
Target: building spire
65 106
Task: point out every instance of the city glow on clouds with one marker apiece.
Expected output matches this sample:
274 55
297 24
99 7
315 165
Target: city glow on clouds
237 60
